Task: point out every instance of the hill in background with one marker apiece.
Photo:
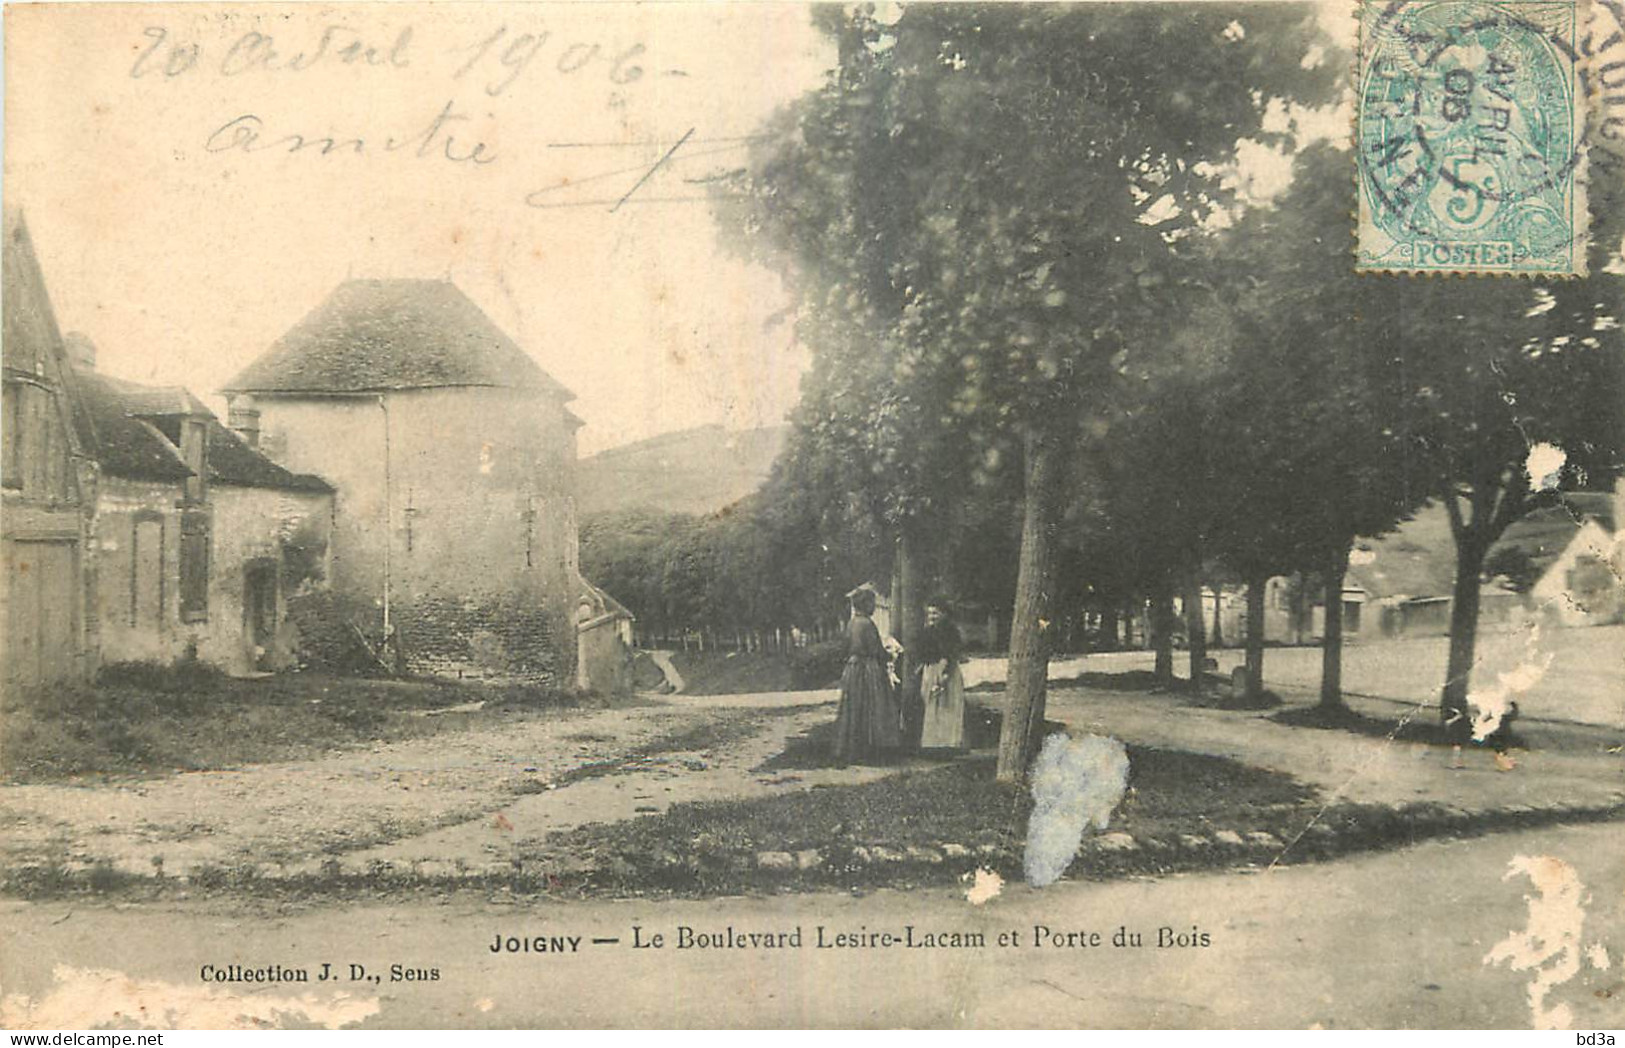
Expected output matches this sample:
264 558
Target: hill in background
698 470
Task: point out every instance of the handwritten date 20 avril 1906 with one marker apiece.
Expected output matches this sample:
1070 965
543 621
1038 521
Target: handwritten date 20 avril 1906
499 58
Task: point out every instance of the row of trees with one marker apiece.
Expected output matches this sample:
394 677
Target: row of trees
1058 359
1005 230
679 573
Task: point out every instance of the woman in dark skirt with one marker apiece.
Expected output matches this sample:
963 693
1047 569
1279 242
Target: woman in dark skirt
869 723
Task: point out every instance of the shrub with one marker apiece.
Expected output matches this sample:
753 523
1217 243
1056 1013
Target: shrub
819 665
188 677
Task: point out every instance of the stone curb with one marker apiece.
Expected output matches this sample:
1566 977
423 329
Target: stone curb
1232 845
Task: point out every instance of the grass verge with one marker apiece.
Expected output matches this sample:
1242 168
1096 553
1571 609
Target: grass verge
926 826
139 719
734 673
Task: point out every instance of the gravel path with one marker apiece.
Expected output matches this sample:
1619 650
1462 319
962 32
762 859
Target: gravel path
478 798
293 811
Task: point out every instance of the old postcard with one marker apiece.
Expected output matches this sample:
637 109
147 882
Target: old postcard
798 516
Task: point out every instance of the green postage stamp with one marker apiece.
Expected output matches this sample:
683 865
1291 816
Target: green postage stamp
1470 120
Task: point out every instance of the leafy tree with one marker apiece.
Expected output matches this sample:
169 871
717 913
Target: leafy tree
1310 417
1487 383
980 213
1490 368
679 571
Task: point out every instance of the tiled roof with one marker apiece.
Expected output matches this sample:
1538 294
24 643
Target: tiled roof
603 603
1418 559
125 445
30 328
1544 534
135 431
233 462
375 335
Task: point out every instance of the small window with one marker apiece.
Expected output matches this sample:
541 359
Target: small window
11 418
194 567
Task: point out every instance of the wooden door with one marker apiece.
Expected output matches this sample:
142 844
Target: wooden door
42 631
259 611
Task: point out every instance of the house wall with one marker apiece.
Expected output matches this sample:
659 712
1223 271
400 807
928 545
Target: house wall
462 501
50 633
287 532
604 660
138 553
1582 587
1285 625
1354 617
1282 623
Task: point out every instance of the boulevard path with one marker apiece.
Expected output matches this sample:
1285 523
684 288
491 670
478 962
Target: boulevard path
1581 676
468 801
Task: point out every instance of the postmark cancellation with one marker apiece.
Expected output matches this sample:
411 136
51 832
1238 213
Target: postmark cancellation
1470 121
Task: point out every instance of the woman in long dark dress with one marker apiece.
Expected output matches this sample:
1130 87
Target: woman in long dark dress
869 722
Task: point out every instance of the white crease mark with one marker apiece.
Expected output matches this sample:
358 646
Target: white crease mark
986 887
1549 944
1491 704
1544 465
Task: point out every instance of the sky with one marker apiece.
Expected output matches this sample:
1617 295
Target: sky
183 256
149 149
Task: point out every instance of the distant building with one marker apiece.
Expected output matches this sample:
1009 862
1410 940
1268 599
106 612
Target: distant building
603 642
1575 557
1403 583
47 487
453 457
1407 576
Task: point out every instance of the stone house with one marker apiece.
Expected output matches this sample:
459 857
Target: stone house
1576 557
46 487
136 526
452 454
200 542
1401 584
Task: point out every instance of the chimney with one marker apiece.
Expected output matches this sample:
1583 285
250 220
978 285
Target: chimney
243 418
81 351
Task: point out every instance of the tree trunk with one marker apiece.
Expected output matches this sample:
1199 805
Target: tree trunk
1196 634
1218 618
1296 608
908 612
1029 645
1107 639
1162 637
1331 644
1255 637
1463 636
